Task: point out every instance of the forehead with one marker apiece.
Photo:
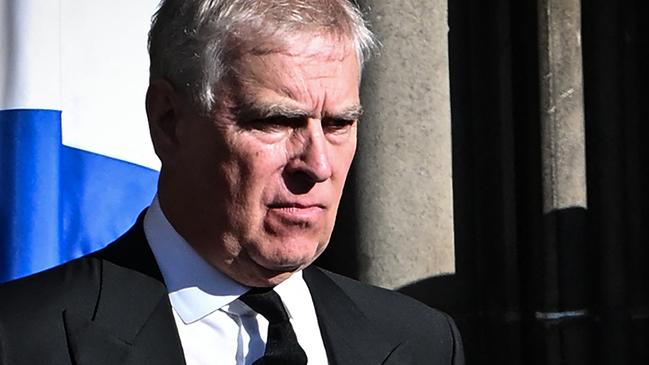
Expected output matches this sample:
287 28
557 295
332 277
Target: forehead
308 48
308 70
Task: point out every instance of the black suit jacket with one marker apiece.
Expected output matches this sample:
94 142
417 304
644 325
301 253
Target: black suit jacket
112 307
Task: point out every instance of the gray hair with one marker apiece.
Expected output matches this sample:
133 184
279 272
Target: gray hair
192 42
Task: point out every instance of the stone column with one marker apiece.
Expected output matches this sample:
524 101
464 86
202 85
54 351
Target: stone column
562 105
404 185
561 267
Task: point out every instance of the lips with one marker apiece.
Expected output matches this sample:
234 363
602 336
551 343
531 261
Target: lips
298 213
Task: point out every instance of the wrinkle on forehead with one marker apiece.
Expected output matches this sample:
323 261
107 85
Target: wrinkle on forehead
305 74
321 45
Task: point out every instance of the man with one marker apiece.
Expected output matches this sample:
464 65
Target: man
252 107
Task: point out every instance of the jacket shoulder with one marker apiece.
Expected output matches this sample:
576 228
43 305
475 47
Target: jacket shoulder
56 287
388 304
421 329
31 310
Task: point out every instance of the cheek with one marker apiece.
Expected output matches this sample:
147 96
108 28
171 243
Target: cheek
256 169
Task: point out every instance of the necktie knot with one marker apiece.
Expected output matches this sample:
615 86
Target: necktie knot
266 302
282 347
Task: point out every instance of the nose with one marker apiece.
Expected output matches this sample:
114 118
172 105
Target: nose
312 155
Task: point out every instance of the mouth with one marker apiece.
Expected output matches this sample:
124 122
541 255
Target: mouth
297 213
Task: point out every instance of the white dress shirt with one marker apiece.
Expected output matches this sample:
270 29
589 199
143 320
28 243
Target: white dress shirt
214 326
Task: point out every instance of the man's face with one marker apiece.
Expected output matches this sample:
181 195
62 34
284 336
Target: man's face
256 186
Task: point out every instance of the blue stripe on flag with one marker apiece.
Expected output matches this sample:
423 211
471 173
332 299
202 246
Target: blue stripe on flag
56 202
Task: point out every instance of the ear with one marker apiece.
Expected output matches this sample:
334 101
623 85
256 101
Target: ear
163 109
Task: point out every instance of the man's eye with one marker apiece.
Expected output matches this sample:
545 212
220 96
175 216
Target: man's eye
337 124
274 123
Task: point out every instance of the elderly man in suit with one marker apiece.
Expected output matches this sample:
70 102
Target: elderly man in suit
253 107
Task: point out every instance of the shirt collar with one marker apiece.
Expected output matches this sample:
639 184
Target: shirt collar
195 287
293 292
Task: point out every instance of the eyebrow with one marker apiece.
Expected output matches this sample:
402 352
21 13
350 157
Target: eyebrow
350 113
251 111
260 111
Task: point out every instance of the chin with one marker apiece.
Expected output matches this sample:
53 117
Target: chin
275 269
271 281
283 264
279 257
263 277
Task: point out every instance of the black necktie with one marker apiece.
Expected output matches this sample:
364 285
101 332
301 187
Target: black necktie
282 347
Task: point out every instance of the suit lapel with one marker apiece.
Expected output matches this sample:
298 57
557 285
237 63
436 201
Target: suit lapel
132 322
348 335
90 343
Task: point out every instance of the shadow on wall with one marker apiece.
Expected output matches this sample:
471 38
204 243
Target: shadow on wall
561 295
526 301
